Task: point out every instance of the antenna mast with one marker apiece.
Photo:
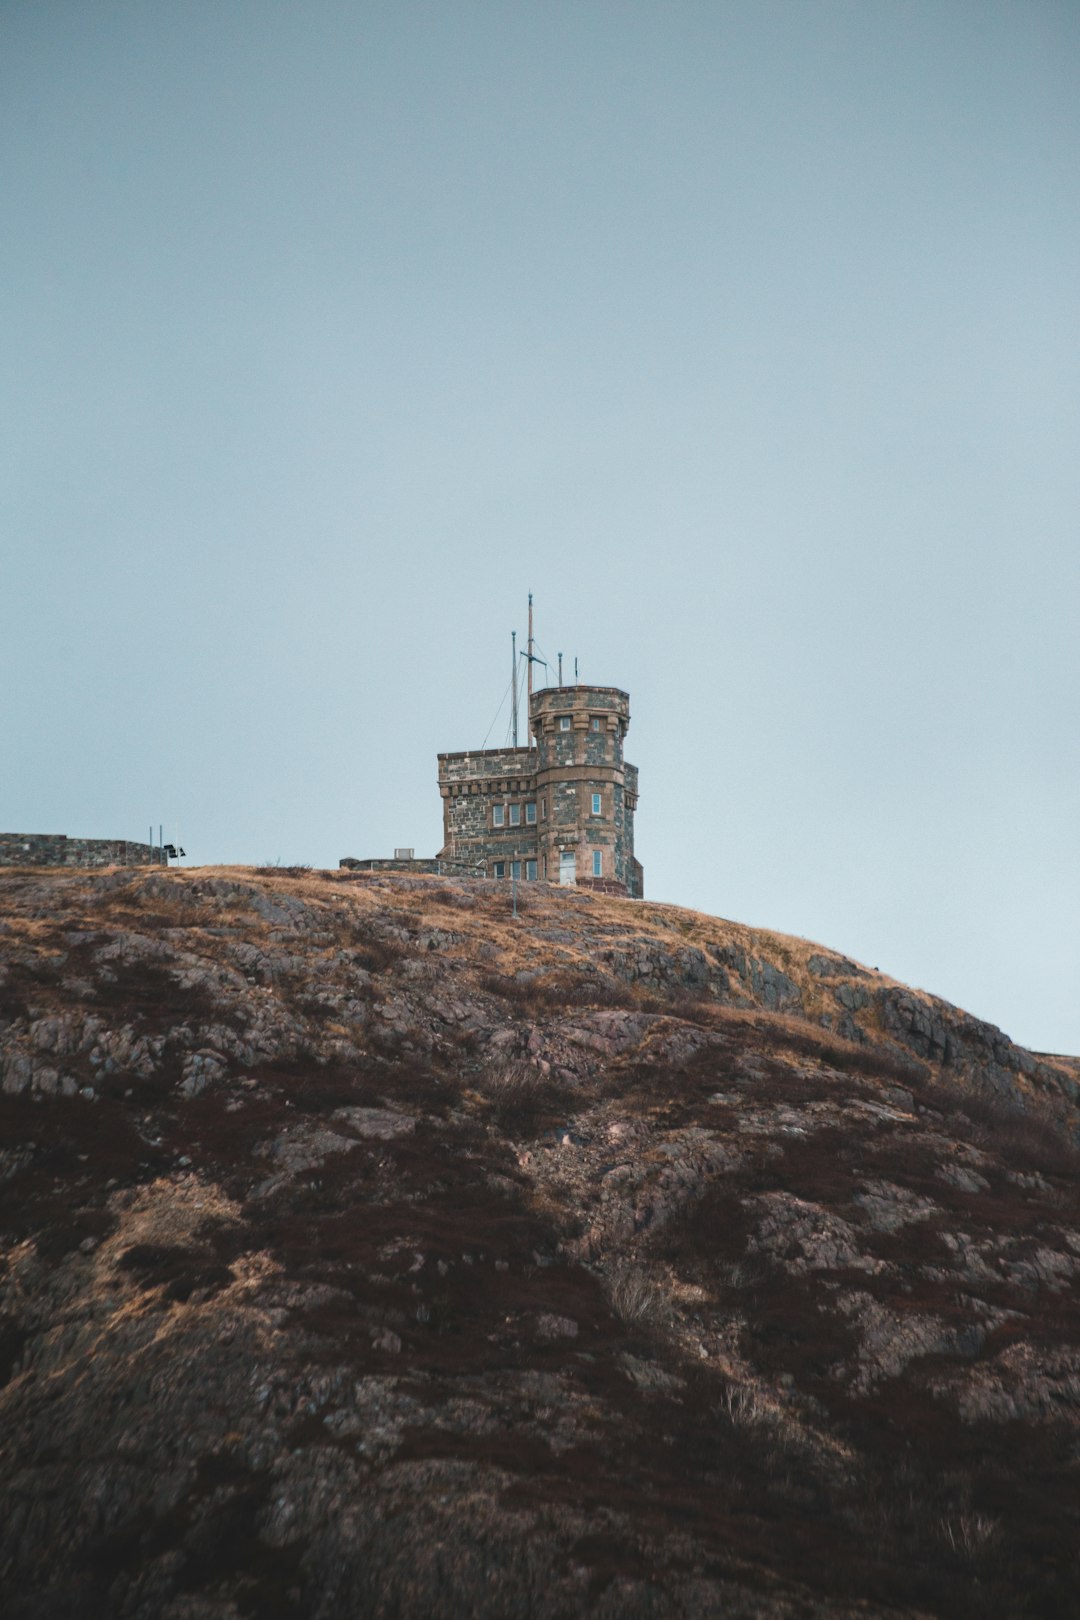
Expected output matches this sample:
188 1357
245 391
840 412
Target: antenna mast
514 681
530 661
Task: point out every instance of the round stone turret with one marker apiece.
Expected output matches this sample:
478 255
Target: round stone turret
587 793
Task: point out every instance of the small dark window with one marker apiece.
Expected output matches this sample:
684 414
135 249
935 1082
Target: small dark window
530 871
530 813
498 815
500 869
564 722
597 863
515 815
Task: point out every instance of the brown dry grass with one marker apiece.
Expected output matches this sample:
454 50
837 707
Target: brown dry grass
478 913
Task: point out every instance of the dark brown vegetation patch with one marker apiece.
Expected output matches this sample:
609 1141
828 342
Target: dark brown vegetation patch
211 1537
179 1270
373 954
524 1101
999 1124
73 1149
149 995
792 1035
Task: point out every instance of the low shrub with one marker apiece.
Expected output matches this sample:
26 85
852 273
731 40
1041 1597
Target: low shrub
745 1408
442 896
524 1099
558 991
512 1078
373 954
969 1534
634 1298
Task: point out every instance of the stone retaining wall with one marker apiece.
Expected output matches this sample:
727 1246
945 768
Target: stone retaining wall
443 868
56 849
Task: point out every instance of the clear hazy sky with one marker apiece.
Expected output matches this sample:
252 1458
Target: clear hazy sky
744 335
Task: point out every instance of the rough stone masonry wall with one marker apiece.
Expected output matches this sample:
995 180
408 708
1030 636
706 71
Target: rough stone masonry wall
424 864
486 764
56 849
471 784
472 838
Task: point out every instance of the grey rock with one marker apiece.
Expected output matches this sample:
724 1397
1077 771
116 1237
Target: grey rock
380 1124
202 1069
829 967
550 1326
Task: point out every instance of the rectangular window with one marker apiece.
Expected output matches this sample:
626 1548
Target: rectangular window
530 813
543 809
500 869
564 722
595 723
597 863
498 815
515 870
596 804
530 871
515 815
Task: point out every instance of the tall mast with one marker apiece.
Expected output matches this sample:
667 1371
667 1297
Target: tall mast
530 660
514 682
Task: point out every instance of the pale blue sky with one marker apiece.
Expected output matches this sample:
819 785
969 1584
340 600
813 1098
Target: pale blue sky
744 335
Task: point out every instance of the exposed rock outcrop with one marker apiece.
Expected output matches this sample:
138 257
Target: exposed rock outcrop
369 1251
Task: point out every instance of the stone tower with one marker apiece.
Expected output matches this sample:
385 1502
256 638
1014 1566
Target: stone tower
589 791
561 810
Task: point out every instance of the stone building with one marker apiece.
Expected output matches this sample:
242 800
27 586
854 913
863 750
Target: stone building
561 810
56 849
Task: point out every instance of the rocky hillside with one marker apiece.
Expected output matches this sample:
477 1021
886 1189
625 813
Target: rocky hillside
370 1251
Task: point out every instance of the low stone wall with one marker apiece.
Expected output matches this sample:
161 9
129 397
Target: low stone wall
602 886
56 849
442 868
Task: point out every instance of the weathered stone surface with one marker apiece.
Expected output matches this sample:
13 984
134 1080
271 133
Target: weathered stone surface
829 967
378 1124
768 984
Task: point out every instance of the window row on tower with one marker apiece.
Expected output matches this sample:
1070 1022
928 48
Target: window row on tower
518 815
566 721
510 815
517 869
528 870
